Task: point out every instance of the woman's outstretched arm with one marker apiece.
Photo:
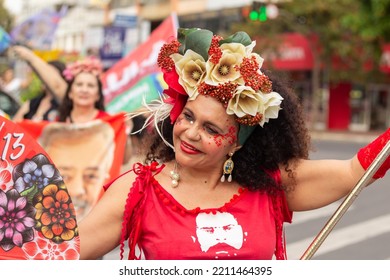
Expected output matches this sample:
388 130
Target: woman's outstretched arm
49 75
100 230
321 182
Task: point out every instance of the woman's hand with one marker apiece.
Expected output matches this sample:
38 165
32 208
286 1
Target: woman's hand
23 53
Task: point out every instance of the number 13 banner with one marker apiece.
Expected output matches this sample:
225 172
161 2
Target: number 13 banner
37 216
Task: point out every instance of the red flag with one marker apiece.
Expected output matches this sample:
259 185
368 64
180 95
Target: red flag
138 63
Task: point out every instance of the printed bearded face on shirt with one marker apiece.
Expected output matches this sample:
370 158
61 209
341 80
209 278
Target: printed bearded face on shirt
218 230
203 134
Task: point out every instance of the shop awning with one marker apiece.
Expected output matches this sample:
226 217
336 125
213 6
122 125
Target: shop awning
294 52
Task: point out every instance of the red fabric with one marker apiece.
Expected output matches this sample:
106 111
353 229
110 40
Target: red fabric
178 101
367 154
134 206
101 115
166 230
281 214
116 121
172 80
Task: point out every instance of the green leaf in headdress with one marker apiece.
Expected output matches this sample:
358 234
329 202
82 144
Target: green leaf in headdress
198 40
181 37
239 37
183 32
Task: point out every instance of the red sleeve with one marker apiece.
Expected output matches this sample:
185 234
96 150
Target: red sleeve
281 200
286 212
282 214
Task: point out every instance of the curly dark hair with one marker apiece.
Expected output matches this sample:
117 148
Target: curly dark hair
67 104
267 149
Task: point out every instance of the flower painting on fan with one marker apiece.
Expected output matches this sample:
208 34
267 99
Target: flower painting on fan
37 216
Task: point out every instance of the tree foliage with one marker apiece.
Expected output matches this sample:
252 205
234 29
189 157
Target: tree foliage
371 20
349 32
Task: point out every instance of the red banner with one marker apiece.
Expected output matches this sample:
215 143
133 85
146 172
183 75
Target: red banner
138 63
87 155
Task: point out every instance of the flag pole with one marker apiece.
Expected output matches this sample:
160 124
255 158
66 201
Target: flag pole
320 238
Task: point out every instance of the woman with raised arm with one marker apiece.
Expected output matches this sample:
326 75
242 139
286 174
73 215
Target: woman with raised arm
43 107
47 72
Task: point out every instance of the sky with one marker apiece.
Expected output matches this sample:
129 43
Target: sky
13 6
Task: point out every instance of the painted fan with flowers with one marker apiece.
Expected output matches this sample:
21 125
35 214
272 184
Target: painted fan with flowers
37 216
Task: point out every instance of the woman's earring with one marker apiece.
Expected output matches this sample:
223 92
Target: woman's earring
228 168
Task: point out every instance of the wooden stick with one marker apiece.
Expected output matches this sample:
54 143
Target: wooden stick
367 176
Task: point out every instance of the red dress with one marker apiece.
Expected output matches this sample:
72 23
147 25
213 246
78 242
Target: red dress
101 115
249 226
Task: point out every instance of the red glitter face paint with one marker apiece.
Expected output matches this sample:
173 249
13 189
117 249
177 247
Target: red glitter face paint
230 137
218 140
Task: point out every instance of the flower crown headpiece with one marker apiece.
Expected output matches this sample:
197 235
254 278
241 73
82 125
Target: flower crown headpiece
198 62
89 64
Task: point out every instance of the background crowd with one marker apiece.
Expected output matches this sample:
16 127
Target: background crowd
67 114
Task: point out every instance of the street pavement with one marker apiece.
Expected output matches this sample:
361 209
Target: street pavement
349 136
363 232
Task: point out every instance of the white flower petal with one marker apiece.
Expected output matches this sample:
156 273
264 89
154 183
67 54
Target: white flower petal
186 66
249 48
271 106
244 101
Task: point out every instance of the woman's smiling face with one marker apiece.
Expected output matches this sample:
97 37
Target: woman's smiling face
204 134
85 90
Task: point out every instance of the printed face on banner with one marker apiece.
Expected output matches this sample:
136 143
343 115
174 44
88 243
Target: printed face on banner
83 154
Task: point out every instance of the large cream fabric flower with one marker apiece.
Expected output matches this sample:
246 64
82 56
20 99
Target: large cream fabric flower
249 54
191 69
223 71
270 106
245 101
